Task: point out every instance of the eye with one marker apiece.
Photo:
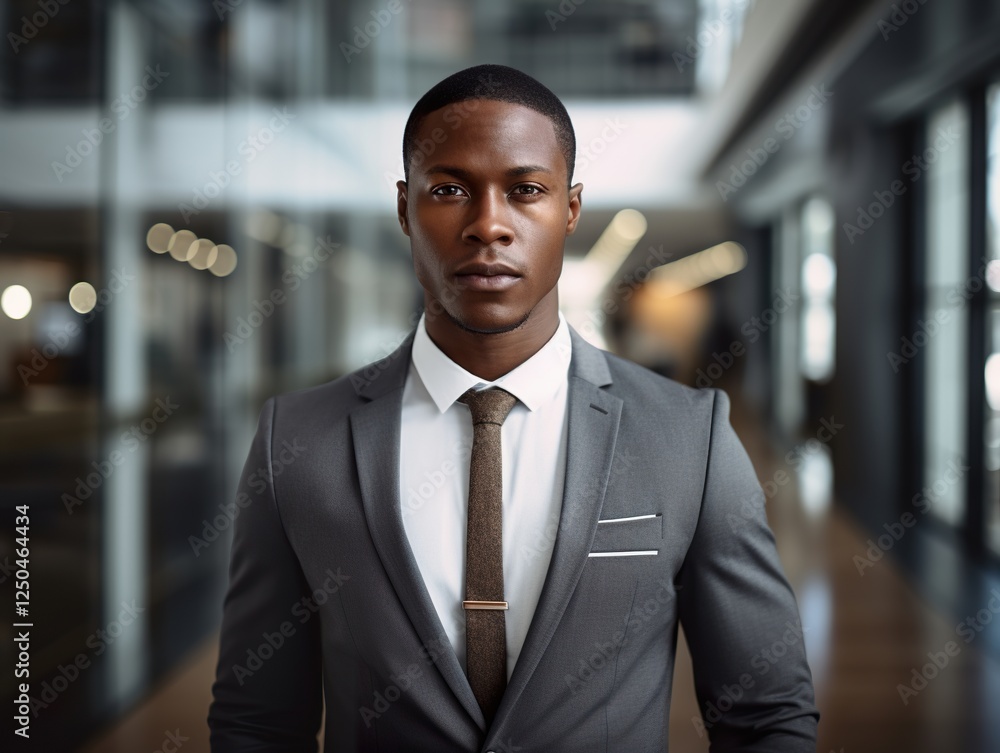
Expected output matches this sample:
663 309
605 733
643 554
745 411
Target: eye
448 190
527 190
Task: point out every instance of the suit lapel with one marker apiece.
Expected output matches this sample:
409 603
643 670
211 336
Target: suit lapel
375 428
594 416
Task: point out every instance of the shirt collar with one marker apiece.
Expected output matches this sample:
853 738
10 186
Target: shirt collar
533 382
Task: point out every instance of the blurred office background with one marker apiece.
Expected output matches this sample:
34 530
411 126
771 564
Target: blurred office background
795 201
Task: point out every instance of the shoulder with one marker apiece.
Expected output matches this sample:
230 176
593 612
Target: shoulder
339 394
656 393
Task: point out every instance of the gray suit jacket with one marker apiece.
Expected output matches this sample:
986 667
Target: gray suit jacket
326 603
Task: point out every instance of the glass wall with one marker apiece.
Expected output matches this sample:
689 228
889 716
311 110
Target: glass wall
819 278
943 328
803 355
786 274
991 486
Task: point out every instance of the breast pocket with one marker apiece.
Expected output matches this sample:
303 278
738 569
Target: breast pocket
632 536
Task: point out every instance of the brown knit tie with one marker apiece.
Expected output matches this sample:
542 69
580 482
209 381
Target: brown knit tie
485 626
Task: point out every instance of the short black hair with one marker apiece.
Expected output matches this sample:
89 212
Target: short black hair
499 83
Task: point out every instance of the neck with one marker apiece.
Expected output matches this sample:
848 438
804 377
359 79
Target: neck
490 356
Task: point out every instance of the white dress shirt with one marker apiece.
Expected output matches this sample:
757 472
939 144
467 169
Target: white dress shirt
435 451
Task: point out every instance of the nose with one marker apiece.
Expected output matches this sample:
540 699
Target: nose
489 220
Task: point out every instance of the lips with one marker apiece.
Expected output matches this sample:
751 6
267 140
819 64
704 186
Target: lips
487 277
487 282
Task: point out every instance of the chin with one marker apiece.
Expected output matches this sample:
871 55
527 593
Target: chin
488 319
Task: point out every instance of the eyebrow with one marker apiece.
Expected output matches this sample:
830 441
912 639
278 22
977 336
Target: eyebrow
513 172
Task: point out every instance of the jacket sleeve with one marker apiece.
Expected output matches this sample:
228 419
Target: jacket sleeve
267 696
739 613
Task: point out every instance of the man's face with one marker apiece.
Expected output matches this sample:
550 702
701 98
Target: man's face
487 210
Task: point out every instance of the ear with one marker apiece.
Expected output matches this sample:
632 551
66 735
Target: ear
573 211
401 205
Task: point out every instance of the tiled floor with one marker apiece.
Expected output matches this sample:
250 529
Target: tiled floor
864 636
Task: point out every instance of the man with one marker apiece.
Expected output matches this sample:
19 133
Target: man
486 540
